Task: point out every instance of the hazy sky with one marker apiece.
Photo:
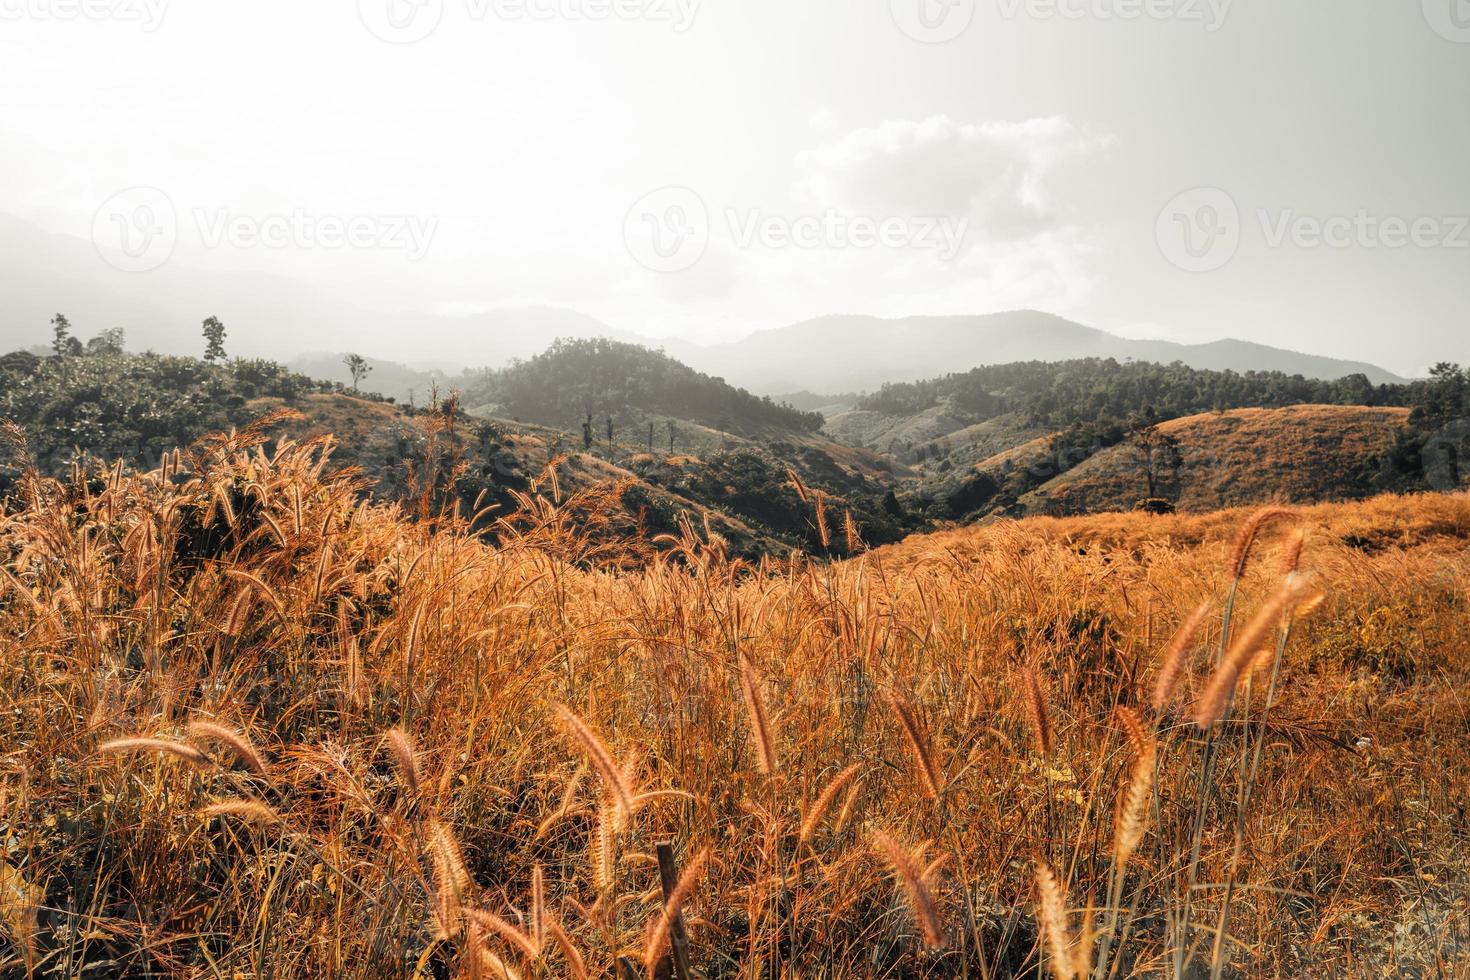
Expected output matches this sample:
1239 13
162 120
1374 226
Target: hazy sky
856 156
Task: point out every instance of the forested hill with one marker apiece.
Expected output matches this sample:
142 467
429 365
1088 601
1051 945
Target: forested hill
1065 393
101 402
1001 439
95 403
630 384
996 440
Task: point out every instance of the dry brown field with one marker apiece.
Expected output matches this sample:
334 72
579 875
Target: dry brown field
253 726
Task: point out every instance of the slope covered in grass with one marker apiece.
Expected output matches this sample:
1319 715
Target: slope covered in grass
100 402
257 725
740 488
1300 454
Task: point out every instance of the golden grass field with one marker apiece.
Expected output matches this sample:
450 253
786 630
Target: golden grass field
255 727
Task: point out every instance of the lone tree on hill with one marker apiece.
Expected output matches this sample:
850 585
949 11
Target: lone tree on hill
1158 451
61 339
63 344
358 367
113 340
214 340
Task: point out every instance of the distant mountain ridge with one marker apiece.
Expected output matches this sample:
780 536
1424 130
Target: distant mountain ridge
43 273
825 354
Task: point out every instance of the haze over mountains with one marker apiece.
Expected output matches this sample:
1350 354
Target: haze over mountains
861 353
43 273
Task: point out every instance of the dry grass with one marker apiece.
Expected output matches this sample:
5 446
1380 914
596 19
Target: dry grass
1299 453
358 748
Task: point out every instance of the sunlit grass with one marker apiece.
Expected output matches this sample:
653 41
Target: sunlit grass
254 727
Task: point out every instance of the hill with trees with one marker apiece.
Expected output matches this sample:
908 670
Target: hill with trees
1433 450
628 384
990 439
1070 392
752 480
97 400
1017 439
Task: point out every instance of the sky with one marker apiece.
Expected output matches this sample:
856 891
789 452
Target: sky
1292 173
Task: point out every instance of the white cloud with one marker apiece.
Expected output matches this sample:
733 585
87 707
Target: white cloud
1021 245
994 173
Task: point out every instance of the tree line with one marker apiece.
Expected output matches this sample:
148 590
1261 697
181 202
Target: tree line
1066 393
95 399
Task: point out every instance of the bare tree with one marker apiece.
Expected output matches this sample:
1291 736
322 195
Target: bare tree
358 367
1158 452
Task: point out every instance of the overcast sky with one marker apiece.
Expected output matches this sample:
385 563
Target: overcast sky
1288 172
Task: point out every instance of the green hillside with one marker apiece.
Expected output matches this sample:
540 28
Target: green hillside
631 385
96 401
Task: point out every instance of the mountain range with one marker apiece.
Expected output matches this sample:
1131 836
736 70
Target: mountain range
42 273
861 353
